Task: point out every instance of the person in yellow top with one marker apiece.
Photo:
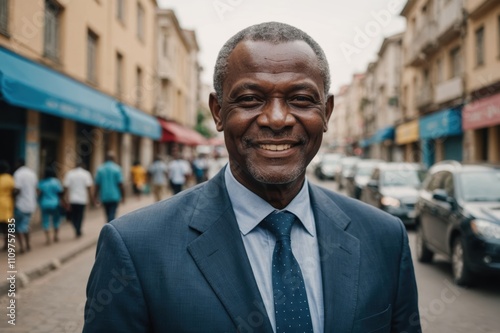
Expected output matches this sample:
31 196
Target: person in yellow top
138 178
7 195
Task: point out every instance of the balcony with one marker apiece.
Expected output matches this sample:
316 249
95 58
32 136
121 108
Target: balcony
450 20
449 90
424 97
476 8
423 42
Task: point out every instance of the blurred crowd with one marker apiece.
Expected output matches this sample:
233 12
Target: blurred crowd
67 197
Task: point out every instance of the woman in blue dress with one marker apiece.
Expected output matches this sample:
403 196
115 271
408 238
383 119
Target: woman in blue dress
50 193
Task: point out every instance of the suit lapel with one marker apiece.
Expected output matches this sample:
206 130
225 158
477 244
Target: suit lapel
220 255
340 258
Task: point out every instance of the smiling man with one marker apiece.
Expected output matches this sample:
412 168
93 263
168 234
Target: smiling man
258 248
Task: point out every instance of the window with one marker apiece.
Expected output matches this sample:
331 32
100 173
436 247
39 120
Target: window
439 71
140 21
165 44
456 63
480 46
4 17
498 36
138 89
52 27
119 74
92 40
120 10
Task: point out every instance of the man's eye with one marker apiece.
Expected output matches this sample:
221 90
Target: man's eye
247 99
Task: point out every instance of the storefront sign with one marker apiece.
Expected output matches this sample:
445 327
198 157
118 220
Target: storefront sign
407 132
441 124
482 113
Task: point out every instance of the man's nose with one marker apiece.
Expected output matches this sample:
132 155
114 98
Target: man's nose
276 115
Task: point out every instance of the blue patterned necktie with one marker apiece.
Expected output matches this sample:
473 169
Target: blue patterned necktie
290 298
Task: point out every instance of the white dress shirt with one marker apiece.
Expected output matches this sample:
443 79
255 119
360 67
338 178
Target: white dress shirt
250 210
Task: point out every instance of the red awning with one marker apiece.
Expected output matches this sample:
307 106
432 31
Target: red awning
218 141
174 132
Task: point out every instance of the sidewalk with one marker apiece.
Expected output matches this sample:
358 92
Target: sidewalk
44 258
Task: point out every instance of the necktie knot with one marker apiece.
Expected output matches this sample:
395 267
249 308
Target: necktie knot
279 224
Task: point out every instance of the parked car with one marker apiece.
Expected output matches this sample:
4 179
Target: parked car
359 176
458 215
346 165
328 166
393 187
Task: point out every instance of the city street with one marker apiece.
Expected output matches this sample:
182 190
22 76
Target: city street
55 302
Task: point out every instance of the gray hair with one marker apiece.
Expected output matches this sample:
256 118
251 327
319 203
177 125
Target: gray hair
271 32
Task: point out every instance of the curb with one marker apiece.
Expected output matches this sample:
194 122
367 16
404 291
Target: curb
25 278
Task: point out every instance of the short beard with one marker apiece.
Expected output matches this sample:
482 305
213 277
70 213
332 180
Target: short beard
272 178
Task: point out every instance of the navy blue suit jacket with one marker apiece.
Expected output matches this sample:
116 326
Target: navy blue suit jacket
180 266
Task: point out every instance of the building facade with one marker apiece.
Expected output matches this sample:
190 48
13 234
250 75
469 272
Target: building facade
77 81
178 88
481 115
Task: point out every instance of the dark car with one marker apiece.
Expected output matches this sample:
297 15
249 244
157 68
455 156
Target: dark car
346 165
359 176
393 187
458 215
328 166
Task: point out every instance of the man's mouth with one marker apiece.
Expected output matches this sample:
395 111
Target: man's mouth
276 147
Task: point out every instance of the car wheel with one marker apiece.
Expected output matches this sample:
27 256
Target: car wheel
423 253
462 275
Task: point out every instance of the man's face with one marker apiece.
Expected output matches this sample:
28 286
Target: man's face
273 113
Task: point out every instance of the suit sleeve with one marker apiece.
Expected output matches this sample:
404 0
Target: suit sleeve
406 316
115 302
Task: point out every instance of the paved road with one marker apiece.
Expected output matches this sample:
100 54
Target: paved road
55 302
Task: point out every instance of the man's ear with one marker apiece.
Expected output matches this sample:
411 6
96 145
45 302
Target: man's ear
328 111
215 109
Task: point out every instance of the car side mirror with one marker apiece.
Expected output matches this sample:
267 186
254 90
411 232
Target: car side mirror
373 184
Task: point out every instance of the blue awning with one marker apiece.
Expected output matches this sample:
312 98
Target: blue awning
441 124
27 84
140 123
383 134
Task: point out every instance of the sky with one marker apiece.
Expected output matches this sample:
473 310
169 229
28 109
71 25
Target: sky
349 31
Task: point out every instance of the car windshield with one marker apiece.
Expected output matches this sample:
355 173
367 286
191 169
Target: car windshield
402 177
481 185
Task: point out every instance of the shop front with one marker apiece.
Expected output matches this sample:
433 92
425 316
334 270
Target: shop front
441 136
406 137
381 144
481 122
56 121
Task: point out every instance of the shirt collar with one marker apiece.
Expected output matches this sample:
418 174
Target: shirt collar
250 209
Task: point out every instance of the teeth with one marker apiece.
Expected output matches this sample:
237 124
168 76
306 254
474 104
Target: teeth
276 147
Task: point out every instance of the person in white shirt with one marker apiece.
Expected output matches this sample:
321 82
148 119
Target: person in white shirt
26 182
178 172
157 173
78 190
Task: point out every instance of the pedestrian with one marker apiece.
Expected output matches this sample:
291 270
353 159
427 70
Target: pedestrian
78 191
138 174
8 192
157 173
50 199
200 168
178 171
109 186
258 248
26 182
